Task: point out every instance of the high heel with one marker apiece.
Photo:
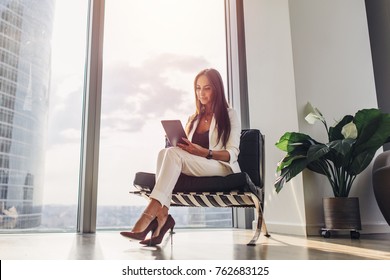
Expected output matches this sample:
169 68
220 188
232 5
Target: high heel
169 224
142 234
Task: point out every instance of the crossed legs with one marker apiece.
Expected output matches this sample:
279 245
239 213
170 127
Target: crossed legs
170 164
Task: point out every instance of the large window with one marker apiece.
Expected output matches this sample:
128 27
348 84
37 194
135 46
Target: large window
152 51
42 63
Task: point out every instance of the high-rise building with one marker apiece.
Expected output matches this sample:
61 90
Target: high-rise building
25 52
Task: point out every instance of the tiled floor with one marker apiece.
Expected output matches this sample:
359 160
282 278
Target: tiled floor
218 244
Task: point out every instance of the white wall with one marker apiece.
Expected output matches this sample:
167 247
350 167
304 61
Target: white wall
303 51
272 103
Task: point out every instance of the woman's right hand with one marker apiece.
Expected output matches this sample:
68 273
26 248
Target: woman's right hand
192 148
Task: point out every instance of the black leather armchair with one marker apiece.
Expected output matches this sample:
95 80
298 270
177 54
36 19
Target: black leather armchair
245 189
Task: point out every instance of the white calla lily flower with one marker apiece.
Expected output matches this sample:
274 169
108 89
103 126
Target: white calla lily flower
349 131
314 114
311 118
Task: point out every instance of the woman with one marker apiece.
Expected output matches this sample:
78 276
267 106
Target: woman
212 149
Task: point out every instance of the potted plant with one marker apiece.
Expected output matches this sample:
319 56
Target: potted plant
352 144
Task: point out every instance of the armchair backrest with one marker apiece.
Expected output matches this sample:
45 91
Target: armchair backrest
251 157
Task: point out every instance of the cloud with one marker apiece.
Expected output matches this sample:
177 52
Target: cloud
145 92
131 95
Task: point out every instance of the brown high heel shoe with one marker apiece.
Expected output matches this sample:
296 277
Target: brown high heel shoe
169 224
142 234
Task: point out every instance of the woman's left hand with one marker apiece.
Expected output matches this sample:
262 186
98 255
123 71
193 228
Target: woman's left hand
192 148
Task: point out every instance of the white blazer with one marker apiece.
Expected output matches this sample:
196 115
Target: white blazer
233 143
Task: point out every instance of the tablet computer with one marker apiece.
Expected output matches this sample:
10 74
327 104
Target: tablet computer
174 131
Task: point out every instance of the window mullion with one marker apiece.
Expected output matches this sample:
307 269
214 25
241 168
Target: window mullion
91 120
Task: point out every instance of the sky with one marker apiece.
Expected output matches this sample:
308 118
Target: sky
152 51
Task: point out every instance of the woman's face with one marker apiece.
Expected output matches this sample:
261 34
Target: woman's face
204 91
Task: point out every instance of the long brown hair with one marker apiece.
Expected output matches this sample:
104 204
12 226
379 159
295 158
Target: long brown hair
219 106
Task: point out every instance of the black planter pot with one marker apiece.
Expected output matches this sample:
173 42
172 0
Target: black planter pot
342 213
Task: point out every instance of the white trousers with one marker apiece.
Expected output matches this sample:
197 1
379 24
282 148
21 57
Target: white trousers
173 161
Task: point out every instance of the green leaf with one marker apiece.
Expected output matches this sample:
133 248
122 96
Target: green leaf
290 140
288 160
287 174
319 166
373 128
340 152
317 151
342 147
360 162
